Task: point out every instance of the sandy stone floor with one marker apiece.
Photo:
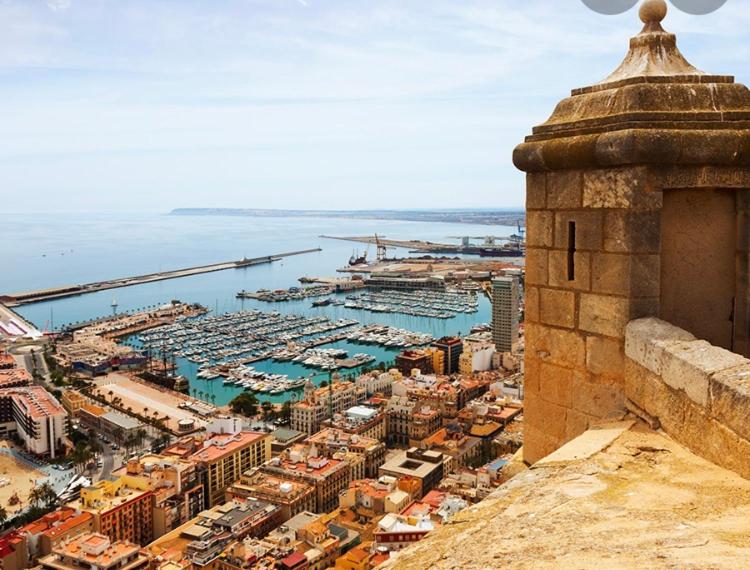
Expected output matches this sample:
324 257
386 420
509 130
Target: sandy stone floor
641 501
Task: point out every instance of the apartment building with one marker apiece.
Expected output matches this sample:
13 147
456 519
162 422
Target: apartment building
14 377
330 441
451 347
291 496
122 508
504 313
360 420
426 466
425 420
94 551
177 485
36 417
50 530
328 476
321 403
398 414
226 456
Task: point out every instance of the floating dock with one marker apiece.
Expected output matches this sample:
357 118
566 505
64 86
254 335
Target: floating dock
24 298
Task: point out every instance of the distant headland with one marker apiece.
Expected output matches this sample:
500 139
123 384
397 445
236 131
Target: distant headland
498 216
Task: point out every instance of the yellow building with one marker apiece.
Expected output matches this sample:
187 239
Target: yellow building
72 400
122 508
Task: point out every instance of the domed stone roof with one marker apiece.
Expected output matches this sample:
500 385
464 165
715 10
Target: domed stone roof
655 108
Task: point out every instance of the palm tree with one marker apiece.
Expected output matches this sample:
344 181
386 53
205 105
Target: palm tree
140 436
213 399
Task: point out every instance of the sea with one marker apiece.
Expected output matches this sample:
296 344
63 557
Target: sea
51 250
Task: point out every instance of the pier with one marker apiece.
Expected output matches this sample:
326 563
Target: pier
24 298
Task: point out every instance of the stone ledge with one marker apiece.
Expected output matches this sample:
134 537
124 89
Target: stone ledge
692 388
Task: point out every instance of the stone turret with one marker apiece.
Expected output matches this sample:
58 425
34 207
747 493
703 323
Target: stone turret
637 205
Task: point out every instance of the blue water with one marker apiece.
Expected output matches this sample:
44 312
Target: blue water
49 250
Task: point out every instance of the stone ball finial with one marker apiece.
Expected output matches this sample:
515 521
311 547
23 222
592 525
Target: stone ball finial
653 11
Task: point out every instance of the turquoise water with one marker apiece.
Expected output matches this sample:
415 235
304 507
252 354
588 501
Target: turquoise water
50 250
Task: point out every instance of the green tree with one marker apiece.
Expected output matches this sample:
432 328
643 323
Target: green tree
286 412
161 441
140 437
245 404
267 408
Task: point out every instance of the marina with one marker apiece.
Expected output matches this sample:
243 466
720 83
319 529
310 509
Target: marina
224 346
431 304
283 295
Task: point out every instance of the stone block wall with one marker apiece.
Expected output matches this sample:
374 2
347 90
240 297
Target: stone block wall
698 393
576 317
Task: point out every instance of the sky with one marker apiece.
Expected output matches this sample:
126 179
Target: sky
149 105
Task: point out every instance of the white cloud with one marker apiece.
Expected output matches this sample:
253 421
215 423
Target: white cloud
58 5
412 103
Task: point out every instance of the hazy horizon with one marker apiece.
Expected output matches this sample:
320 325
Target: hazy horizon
151 105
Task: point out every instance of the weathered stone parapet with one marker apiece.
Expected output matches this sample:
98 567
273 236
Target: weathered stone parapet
699 393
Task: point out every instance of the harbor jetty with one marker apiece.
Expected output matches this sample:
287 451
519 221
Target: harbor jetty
24 298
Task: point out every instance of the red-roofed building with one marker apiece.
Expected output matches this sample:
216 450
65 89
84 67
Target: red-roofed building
295 561
14 377
48 531
36 416
6 361
13 552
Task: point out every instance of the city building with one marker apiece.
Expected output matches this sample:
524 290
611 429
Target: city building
6 361
256 554
370 497
94 551
321 403
477 353
458 449
378 382
122 508
426 360
451 347
226 456
426 466
245 517
398 414
504 313
93 355
72 400
439 392
425 421
36 417
14 377
291 496
363 557
330 441
13 551
327 476
396 531
48 531
360 420
284 438
177 486
109 423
